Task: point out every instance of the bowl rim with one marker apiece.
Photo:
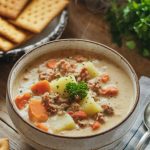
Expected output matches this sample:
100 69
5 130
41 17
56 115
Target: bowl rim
72 40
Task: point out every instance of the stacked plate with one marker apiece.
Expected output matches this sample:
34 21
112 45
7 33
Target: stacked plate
26 24
53 31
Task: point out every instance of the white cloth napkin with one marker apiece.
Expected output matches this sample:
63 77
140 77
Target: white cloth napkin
132 138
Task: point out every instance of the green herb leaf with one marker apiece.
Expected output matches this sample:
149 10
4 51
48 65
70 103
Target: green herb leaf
130 44
76 91
146 53
131 19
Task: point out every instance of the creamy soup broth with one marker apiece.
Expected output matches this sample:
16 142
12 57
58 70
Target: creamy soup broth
114 106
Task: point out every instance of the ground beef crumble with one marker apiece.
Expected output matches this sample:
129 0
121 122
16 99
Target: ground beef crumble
95 86
63 106
74 107
108 110
49 75
65 67
62 68
53 103
99 117
50 108
83 75
79 58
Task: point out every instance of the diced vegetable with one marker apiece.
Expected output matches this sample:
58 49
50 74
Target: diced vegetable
52 63
110 91
70 113
61 123
90 106
42 127
21 101
37 112
59 85
105 78
91 69
79 115
41 87
95 125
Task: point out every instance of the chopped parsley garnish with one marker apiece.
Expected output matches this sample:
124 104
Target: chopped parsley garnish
76 91
131 21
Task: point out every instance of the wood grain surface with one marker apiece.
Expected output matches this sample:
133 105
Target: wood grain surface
82 24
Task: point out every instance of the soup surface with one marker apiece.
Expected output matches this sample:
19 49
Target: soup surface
73 95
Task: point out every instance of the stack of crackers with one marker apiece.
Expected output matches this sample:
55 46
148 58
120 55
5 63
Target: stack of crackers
4 144
20 20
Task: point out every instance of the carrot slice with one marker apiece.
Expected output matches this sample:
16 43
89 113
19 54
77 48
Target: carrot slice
105 78
37 112
95 125
110 91
70 113
52 63
40 87
79 115
42 127
22 100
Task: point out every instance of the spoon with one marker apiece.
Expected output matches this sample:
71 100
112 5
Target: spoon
147 124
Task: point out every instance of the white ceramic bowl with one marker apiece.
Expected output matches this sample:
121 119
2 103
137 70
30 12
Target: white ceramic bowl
45 141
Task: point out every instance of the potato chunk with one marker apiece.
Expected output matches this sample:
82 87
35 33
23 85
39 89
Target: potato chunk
59 85
91 69
90 106
61 123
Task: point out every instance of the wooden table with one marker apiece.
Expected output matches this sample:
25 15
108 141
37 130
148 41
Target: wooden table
82 24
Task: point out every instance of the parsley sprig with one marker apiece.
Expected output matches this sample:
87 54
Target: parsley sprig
77 91
131 20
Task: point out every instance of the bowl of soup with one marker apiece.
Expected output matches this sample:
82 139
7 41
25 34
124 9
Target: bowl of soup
72 94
